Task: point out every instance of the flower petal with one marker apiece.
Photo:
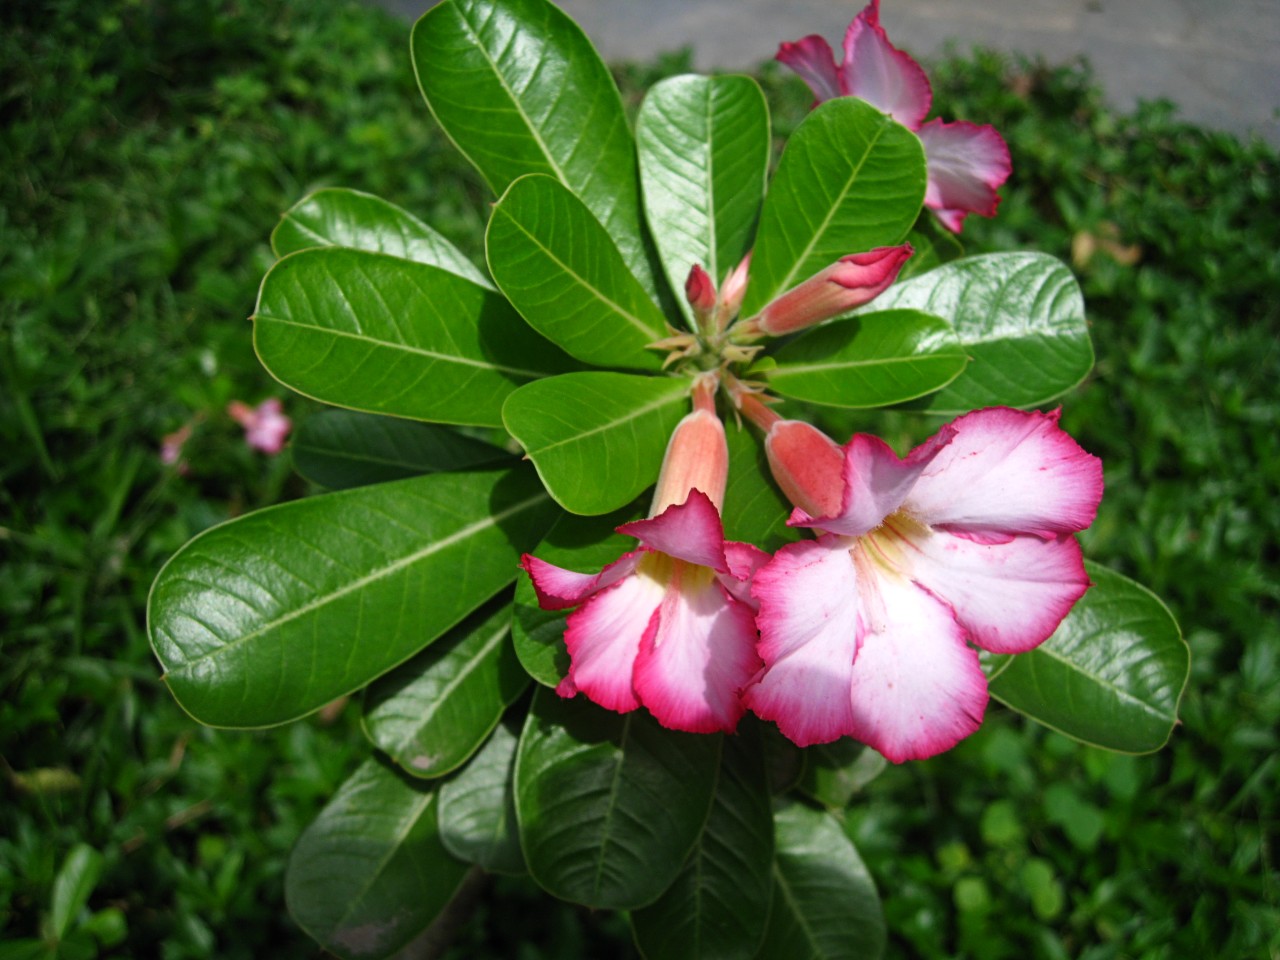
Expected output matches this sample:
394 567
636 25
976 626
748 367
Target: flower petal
744 561
967 162
876 482
697 656
809 623
813 60
1008 595
689 531
603 637
559 589
1009 471
878 72
917 689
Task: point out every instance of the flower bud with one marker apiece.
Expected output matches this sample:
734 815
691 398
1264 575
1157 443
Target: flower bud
732 291
697 456
847 284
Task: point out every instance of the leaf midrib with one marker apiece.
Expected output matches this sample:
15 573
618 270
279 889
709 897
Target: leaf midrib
360 583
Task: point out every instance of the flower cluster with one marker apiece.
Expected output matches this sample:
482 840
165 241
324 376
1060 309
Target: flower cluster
872 628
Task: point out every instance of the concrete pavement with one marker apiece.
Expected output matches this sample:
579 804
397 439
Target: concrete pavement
1218 60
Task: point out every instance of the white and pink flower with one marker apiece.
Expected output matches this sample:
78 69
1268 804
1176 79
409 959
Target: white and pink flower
967 162
868 631
670 626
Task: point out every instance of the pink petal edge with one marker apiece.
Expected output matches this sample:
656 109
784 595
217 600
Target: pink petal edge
967 163
689 531
812 60
1011 472
878 72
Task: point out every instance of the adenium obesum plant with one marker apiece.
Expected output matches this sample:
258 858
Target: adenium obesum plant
660 700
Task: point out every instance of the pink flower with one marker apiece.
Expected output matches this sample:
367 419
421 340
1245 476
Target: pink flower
967 162
866 631
670 626
846 285
265 426
172 443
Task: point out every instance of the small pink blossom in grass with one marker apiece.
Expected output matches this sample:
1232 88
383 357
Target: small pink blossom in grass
869 631
265 426
967 162
172 443
669 626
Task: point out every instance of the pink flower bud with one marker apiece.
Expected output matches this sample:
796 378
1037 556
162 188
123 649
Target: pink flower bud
700 290
697 456
847 284
808 466
732 292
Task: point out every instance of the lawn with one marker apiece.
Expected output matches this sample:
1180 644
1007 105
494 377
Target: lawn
149 148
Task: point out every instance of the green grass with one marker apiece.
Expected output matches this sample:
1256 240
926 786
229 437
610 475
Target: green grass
149 149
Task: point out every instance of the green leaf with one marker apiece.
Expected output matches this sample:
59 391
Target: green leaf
72 886
704 153
335 217
559 268
342 448
755 511
871 360
376 333
1111 675
520 89
850 179
834 773
370 874
825 906
719 903
478 807
430 714
597 439
609 806
585 544
271 616
1020 317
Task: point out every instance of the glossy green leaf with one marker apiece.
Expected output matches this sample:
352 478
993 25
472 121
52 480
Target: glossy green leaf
520 89
719 903
342 448
755 511
370 874
825 905
934 245
1112 674
432 712
609 806
597 439
372 332
72 886
850 179
704 153
871 360
1019 316
478 806
271 616
834 773
559 268
336 217
585 544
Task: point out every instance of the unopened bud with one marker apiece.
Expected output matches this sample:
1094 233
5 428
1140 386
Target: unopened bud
701 292
697 456
847 284
808 466
731 293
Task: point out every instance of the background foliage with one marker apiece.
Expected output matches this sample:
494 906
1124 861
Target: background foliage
150 147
